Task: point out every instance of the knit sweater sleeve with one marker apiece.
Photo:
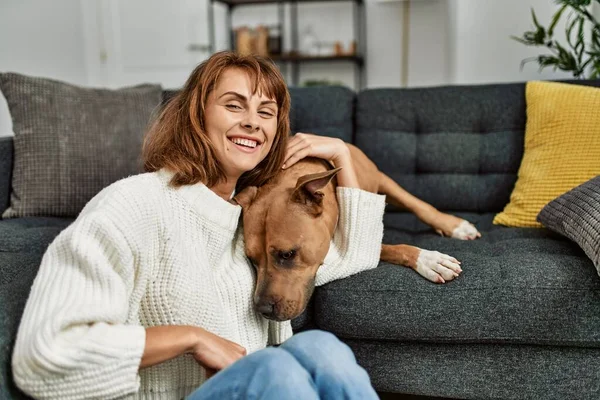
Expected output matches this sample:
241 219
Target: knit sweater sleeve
73 341
356 245
279 332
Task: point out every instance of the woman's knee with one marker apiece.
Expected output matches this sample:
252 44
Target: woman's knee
278 375
269 374
332 365
317 343
314 336
271 360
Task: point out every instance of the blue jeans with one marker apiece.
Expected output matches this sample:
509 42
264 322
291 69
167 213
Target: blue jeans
310 365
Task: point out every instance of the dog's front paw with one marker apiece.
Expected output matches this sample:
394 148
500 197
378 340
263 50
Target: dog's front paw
437 267
465 231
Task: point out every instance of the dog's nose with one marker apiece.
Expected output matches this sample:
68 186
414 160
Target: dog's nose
266 308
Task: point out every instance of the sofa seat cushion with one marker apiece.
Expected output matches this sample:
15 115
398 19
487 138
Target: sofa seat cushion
30 234
480 371
23 242
521 286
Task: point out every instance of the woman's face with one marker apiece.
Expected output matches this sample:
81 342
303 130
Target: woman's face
240 124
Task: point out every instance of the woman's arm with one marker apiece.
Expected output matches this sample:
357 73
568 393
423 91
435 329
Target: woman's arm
356 245
73 340
331 149
166 342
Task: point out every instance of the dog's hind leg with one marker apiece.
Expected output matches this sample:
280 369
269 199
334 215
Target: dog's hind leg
432 265
442 223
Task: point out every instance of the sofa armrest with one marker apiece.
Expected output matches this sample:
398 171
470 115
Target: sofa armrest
6 164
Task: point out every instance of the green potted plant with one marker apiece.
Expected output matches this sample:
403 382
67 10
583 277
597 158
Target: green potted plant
577 56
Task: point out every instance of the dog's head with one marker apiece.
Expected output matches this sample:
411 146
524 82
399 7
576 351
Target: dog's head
287 235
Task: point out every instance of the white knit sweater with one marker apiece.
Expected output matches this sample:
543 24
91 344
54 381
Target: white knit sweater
144 254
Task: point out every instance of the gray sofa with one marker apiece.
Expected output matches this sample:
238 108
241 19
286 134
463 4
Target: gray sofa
521 322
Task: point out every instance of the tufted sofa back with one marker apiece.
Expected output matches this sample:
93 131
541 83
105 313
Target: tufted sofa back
458 148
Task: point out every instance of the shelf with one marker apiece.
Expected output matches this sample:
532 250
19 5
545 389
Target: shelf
292 61
234 3
300 58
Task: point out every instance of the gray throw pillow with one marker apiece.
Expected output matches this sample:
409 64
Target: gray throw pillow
576 215
71 141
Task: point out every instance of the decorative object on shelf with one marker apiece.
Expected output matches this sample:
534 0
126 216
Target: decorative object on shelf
576 56
310 44
262 41
326 49
339 49
243 40
274 46
252 41
353 48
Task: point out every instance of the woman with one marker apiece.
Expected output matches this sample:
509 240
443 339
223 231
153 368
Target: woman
148 293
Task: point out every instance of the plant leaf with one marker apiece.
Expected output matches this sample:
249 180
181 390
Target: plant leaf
595 40
569 31
577 55
555 19
535 21
580 45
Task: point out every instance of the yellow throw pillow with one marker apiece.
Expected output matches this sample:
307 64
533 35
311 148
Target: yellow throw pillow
562 148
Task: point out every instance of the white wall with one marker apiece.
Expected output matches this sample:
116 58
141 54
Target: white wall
430 42
451 41
481 49
40 38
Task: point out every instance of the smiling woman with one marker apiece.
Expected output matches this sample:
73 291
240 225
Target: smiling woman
241 124
149 293
244 107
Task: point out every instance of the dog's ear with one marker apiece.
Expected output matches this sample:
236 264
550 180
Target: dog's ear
308 188
245 197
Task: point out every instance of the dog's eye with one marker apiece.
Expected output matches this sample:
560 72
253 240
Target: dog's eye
286 255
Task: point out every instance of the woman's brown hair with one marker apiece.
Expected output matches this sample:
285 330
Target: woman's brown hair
178 141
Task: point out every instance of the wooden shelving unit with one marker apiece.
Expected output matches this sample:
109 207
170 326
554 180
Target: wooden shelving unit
290 57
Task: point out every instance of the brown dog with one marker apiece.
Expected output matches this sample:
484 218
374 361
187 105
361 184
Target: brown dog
299 206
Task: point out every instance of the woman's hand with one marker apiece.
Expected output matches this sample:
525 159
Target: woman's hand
308 145
331 149
215 353
169 341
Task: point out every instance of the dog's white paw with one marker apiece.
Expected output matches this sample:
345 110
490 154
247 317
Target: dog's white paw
465 231
437 267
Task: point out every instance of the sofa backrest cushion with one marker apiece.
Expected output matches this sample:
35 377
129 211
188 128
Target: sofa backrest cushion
326 110
457 147
72 141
